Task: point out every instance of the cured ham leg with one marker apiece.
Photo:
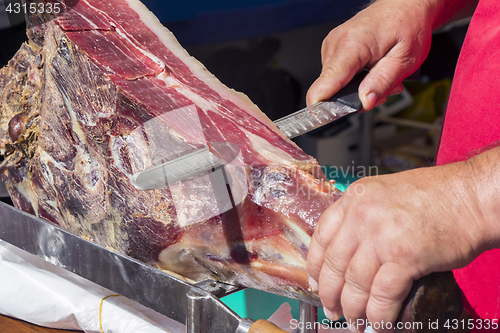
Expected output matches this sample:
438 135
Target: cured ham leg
105 91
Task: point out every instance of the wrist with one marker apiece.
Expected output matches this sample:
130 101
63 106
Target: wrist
426 13
484 183
450 10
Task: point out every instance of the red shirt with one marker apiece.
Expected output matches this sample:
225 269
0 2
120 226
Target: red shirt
472 122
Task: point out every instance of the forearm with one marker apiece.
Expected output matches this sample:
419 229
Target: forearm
450 10
484 191
445 11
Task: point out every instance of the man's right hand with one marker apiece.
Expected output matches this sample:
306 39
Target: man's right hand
391 38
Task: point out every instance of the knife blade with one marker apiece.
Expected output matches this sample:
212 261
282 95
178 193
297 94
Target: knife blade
187 166
345 102
184 167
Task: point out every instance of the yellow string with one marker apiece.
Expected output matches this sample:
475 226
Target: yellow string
100 309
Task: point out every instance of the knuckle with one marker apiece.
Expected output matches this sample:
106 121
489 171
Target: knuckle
313 266
335 34
330 298
381 299
401 252
332 70
334 267
326 44
353 304
386 80
344 48
381 310
354 285
390 291
366 210
316 253
318 239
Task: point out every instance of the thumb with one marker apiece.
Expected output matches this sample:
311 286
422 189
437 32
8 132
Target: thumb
327 84
383 80
336 73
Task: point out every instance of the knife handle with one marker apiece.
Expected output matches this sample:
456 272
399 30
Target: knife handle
264 326
349 95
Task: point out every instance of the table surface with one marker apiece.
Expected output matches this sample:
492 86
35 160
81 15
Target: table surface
11 325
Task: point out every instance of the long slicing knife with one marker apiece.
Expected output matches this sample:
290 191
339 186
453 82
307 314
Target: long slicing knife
345 102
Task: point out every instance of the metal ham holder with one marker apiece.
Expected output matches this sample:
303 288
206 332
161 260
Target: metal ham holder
196 305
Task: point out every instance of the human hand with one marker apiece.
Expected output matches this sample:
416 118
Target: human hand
392 38
387 231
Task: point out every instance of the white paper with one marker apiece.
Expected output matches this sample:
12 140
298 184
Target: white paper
41 293
44 294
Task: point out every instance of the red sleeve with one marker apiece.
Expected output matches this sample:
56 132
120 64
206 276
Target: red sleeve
472 122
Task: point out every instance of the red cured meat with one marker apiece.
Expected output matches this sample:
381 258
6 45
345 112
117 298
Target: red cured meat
115 53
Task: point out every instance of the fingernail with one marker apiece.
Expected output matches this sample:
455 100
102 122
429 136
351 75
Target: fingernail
313 284
372 99
331 315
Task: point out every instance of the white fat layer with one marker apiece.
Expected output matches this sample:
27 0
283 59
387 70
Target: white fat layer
298 232
82 159
46 159
270 152
169 40
131 141
84 165
26 189
74 122
261 265
82 162
273 255
201 102
94 26
51 203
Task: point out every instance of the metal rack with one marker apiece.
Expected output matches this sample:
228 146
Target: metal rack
199 305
